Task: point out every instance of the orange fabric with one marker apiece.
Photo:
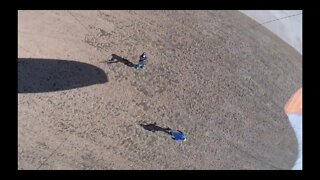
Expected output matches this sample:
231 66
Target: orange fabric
294 105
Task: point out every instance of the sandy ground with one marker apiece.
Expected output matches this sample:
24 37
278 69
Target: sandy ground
209 74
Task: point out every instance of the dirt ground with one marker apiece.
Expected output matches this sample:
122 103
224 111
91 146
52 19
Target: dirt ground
215 75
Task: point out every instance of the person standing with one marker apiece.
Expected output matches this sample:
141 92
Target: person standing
178 136
142 61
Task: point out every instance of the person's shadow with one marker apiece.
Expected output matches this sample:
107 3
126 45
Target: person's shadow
153 128
115 59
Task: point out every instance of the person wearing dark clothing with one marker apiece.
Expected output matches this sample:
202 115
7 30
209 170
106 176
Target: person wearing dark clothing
142 61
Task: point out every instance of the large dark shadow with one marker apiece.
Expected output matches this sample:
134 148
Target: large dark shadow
153 128
115 59
47 75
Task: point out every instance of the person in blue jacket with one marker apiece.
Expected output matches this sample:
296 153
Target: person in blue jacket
178 136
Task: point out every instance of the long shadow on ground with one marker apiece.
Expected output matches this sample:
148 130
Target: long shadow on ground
153 128
116 59
47 75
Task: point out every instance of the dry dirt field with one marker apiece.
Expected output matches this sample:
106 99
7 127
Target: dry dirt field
215 75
